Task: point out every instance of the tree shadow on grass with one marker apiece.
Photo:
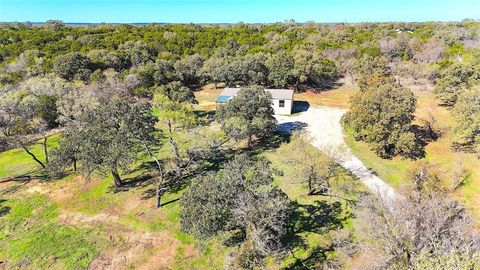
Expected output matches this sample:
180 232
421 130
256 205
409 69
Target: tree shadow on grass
173 185
4 210
424 134
314 260
320 217
216 160
266 144
19 182
25 178
208 116
147 166
140 181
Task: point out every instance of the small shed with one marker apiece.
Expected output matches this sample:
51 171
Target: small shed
282 99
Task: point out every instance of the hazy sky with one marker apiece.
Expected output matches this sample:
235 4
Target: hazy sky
215 11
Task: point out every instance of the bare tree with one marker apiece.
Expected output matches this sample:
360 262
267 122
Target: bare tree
425 222
430 125
311 165
21 123
176 116
460 173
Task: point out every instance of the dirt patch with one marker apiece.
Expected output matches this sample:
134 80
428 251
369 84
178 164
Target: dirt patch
207 96
191 251
161 248
140 250
38 188
336 98
79 218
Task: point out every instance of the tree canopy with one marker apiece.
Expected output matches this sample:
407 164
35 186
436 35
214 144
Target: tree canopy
382 116
467 129
248 114
239 199
108 137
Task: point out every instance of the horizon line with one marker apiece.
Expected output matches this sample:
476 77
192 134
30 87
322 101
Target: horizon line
286 21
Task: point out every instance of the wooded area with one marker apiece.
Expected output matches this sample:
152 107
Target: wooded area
119 103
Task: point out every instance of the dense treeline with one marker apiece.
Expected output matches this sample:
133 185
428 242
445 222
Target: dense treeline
176 59
277 54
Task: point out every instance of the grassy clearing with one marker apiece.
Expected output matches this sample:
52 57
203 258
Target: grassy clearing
207 96
16 162
315 218
80 210
439 152
336 98
80 221
31 237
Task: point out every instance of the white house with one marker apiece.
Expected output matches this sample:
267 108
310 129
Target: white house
282 99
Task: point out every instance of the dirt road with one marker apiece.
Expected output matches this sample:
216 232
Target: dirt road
323 125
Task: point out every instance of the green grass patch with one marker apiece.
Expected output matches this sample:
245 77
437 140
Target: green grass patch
31 237
97 199
138 223
212 256
392 170
16 162
314 218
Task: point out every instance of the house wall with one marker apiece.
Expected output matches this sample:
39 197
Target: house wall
284 110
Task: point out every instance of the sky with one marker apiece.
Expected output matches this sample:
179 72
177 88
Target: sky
233 11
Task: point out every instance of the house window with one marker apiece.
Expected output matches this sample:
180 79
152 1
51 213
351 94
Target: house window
281 103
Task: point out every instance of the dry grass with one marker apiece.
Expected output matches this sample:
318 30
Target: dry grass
336 98
207 96
438 152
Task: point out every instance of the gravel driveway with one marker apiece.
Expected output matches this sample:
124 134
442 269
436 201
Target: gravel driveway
323 125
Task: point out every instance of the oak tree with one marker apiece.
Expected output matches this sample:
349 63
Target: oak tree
248 114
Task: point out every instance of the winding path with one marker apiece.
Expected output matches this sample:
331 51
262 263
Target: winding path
323 125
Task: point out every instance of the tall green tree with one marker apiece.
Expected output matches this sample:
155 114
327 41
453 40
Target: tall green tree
177 92
248 114
467 128
137 52
72 66
382 116
312 68
110 136
104 59
187 69
279 69
216 70
454 80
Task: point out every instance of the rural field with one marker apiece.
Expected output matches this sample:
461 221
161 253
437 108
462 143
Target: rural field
240 146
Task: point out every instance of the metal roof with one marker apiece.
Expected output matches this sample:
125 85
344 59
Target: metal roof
223 99
276 93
